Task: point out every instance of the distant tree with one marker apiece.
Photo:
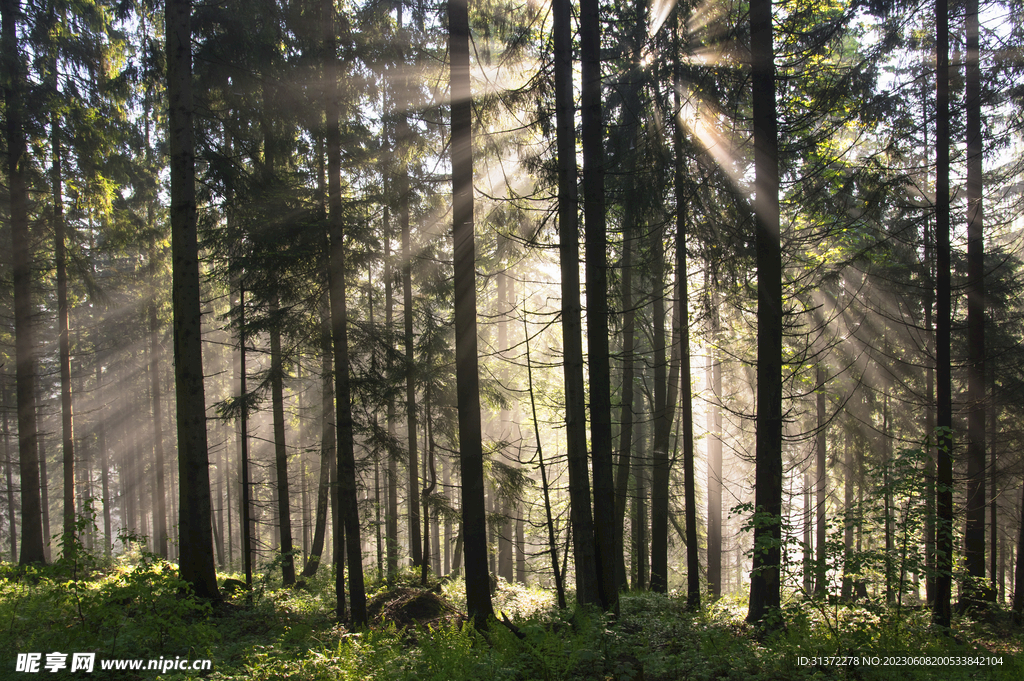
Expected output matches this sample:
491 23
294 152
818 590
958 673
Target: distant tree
942 614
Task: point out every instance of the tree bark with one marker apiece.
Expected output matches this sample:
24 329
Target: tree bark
942 613
821 442
21 250
580 514
63 323
8 466
592 138
974 533
681 332
478 594
663 415
415 545
765 579
160 507
284 516
626 413
714 418
347 488
328 439
195 530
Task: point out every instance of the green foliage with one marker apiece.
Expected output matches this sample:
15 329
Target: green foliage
141 609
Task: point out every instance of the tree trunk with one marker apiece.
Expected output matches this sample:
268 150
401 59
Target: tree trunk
626 412
944 396
714 418
21 250
280 447
478 594
347 489
10 481
580 514
44 491
681 332
160 507
63 325
1018 575
974 533
592 138
821 442
765 579
328 439
415 545
663 415
391 531
993 425
640 474
195 531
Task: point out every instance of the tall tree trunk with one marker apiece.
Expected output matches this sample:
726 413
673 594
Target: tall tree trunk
929 423
765 579
339 335
280 446
63 324
246 515
391 531
21 250
160 507
195 531
681 331
993 425
942 614
974 533
887 499
630 209
506 505
8 466
663 415
328 439
626 413
429 473
580 514
1018 574
478 594
714 418
44 491
415 545
821 442
592 138
640 517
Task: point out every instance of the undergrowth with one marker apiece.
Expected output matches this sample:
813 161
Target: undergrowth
138 608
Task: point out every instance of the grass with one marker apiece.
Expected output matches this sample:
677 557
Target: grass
134 608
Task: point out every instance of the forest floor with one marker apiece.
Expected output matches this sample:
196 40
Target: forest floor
131 613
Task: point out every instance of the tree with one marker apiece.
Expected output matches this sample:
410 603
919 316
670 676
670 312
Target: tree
765 578
471 458
346 477
592 138
943 293
195 528
25 378
974 534
572 318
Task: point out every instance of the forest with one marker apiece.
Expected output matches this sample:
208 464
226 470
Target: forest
512 339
